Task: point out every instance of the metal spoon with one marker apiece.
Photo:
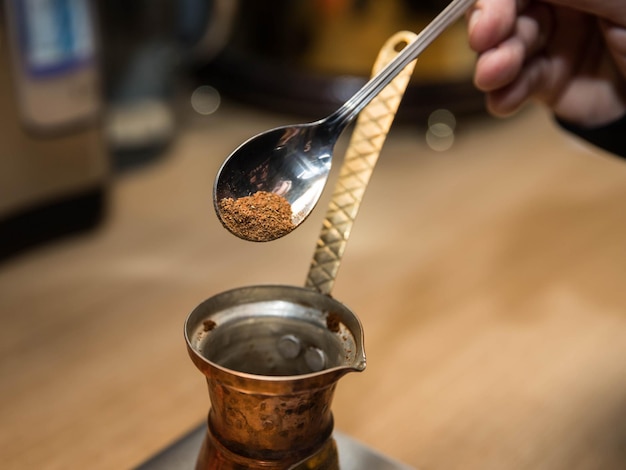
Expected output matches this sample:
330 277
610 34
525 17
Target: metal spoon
294 161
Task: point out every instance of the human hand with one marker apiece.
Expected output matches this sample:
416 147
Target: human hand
568 54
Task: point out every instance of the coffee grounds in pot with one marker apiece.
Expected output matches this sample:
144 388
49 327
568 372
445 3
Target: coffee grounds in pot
333 322
263 216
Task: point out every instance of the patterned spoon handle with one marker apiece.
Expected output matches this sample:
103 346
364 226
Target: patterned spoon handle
366 142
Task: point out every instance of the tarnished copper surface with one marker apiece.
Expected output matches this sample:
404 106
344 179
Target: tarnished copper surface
214 456
259 420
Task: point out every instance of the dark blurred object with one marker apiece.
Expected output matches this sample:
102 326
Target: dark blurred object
139 58
53 168
308 57
147 45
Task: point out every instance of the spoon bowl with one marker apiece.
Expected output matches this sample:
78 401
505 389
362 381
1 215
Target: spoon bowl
290 161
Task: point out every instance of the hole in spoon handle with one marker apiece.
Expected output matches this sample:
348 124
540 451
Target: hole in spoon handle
361 156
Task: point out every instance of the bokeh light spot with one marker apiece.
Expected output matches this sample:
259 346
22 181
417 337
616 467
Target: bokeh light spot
205 100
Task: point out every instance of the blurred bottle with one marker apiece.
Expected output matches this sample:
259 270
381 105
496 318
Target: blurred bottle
148 48
53 166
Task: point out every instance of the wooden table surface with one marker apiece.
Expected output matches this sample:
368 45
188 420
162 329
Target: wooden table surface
490 280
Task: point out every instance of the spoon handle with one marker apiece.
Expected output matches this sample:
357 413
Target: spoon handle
351 108
361 156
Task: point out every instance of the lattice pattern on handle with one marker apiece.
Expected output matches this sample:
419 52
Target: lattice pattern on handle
366 142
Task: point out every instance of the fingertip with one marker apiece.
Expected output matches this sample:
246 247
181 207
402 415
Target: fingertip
473 20
475 33
496 107
507 101
497 67
490 22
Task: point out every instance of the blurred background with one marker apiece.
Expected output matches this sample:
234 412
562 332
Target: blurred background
115 81
487 263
